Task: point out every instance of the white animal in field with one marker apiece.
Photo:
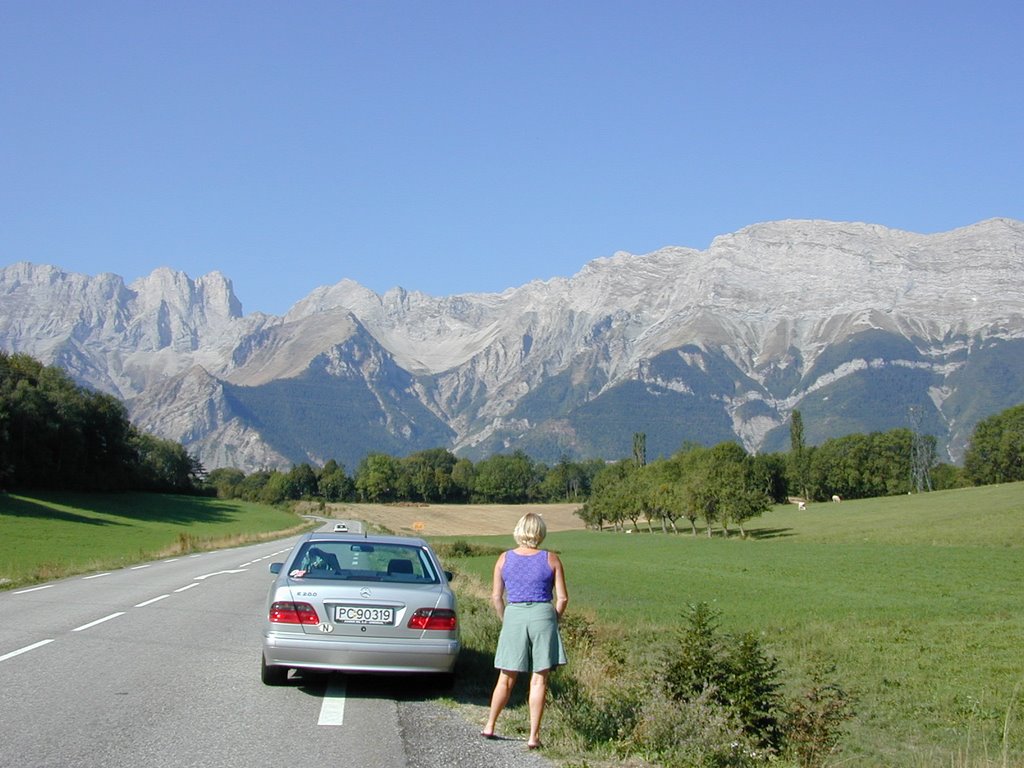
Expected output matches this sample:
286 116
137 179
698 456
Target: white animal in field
836 499
801 505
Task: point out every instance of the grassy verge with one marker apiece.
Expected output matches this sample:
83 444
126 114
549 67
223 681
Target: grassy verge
53 535
912 603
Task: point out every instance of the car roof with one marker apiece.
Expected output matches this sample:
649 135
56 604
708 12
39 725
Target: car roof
409 541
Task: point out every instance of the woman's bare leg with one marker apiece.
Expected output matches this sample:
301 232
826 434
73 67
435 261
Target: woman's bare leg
538 693
500 697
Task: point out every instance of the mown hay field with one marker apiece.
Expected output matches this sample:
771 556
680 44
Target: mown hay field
431 520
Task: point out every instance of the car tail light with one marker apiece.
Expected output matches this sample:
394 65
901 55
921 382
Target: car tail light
293 613
433 618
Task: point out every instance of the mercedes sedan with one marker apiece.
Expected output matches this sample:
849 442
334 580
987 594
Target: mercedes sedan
355 603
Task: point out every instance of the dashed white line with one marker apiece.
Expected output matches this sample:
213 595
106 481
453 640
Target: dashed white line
150 602
98 621
26 649
140 567
33 589
187 586
218 573
96 576
332 710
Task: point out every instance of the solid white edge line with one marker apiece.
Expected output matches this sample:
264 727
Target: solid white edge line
150 602
98 621
26 649
332 710
187 586
32 589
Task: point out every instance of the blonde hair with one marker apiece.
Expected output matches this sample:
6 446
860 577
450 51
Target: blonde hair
530 530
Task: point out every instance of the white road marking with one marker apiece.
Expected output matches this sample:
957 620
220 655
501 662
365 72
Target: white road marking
26 649
218 573
140 567
33 589
150 602
187 586
332 710
95 576
98 621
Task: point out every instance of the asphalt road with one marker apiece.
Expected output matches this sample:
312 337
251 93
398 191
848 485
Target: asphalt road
158 666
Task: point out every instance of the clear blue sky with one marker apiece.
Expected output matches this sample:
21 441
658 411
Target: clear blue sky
454 147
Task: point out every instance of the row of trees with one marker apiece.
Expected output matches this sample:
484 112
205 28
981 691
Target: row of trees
719 486
723 485
431 476
857 466
55 434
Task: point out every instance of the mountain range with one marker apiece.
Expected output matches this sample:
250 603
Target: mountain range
861 327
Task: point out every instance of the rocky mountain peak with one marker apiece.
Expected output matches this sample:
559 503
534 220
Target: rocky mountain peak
721 343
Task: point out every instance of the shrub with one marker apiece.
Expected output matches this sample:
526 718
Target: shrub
462 548
610 719
697 733
734 671
814 722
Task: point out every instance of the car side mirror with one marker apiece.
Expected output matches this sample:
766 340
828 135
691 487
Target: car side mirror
275 568
449 575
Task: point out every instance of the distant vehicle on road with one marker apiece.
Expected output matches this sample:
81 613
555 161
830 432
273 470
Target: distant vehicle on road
355 603
341 527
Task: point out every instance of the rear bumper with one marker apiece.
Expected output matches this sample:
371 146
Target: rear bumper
353 655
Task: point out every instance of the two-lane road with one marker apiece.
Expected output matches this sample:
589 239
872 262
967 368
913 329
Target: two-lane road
158 665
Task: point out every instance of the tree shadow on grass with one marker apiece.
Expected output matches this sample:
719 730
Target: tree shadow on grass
769 533
13 506
157 507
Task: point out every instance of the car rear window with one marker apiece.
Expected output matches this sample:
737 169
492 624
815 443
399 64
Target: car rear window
363 561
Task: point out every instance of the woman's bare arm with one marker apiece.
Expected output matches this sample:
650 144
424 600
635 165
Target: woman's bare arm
561 593
498 588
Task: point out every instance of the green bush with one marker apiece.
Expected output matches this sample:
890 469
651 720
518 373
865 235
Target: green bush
697 733
733 671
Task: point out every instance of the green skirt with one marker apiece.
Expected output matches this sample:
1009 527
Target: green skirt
529 639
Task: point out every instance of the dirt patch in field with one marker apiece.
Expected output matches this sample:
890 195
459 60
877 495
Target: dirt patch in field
456 519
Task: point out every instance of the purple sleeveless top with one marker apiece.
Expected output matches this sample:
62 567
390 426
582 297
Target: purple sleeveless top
528 578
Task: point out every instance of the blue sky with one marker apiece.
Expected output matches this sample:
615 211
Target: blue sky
454 147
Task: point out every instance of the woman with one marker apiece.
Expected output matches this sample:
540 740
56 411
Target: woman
525 581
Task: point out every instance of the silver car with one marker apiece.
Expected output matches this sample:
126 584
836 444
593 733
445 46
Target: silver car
355 603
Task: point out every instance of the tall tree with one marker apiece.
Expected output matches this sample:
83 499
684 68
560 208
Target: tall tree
996 452
377 477
640 448
505 479
798 460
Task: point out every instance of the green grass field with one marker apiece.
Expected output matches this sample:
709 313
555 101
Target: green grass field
47 536
918 601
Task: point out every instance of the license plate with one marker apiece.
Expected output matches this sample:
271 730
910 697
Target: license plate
363 614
